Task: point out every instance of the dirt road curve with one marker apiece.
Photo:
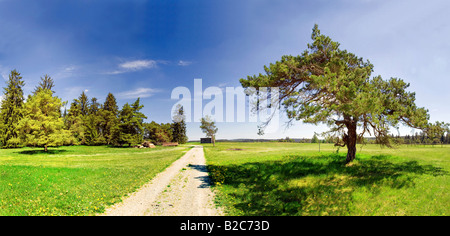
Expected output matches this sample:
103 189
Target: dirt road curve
183 189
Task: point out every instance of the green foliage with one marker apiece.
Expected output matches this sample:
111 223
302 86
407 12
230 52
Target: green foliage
42 124
332 86
158 133
75 123
179 126
46 83
130 129
110 114
209 128
315 139
11 110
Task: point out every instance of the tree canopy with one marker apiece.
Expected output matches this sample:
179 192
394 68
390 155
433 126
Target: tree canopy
11 110
42 124
208 127
328 85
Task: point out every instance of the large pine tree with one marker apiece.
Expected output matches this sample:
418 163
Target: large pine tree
110 113
328 85
42 124
12 110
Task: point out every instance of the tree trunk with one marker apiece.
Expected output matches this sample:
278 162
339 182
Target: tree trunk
351 142
214 141
45 148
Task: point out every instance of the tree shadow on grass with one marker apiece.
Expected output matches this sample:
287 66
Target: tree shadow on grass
300 185
42 152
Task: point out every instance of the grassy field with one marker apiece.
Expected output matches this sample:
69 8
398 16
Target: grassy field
257 179
77 180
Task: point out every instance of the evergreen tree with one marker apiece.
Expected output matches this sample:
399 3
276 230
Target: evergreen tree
331 86
110 114
179 126
315 139
209 128
42 124
93 124
46 83
131 128
75 122
84 104
158 133
11 110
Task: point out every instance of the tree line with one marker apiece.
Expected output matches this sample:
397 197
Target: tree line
41 121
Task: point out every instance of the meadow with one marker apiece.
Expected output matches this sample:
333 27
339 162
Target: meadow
76 180
259 179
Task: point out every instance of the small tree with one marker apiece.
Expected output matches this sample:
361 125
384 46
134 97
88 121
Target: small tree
315 139
179 126
42 124
209 128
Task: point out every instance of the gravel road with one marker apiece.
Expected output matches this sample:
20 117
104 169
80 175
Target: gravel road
183 189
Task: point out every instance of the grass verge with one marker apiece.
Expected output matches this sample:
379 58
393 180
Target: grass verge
76 180
258 179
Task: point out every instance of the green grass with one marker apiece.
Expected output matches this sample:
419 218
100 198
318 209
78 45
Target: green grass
77 180
295 179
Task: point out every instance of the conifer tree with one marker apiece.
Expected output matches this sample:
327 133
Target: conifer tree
12 110
84 103
93 124
328 85
131 128
209 128
42 124
179 126
45 83
75 122
110 112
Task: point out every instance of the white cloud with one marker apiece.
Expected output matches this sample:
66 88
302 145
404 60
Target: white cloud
138 93
184 63
136 65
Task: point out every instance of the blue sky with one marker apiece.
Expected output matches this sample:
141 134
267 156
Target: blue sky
137 48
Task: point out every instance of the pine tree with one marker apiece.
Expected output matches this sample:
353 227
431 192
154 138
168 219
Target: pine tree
315 139
179 126
158 133
46 83
131 128
84 103
209 128
11 110
42 124
93 124
75 122
110 112
329 85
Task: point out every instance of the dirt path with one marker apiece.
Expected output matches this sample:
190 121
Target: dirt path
183 189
